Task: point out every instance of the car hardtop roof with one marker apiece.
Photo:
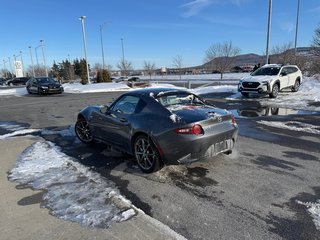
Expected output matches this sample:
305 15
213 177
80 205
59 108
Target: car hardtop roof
157 91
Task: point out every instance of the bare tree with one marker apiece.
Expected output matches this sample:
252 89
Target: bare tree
125 67
177 63
314 67
220 56
283 54
149 68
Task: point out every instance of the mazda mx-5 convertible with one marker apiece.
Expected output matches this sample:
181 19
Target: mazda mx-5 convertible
160 126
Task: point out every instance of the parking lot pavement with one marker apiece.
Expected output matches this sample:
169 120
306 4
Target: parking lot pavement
23 218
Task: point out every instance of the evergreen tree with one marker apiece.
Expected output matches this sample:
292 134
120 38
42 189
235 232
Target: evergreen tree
83 71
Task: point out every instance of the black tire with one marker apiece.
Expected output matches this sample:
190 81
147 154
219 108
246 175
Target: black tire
245 94
83 131
28 90
275 91
296 86
146 154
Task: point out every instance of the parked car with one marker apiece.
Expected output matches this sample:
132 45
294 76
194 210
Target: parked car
44 85
134 79
120 79
17 81
2 81
159 125
270 79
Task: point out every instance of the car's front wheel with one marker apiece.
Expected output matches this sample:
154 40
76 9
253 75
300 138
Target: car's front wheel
146 154
83 131
275 91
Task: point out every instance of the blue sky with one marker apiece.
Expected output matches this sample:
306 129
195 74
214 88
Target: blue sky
152 30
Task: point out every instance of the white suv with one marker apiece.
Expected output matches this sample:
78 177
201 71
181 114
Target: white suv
270 79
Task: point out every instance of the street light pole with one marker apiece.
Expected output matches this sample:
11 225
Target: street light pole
122 50
44 59
297 24
36 48
32 62
101 28
85 45
268 34
10 66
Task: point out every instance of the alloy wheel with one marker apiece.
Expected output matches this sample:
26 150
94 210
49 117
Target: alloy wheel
146 154
83 131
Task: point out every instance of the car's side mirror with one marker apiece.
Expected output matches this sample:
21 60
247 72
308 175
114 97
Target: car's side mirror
104 109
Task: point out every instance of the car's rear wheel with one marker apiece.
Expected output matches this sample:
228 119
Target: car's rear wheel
28 90
296 86
146 154
83 131
275 91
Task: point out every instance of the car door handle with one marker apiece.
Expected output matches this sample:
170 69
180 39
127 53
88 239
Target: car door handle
123 120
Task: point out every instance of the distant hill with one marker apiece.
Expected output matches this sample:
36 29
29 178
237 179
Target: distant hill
253 59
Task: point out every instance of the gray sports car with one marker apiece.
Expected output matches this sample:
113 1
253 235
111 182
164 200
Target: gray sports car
160 126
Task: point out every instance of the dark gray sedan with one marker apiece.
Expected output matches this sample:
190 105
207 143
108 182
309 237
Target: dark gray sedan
43 85
160 126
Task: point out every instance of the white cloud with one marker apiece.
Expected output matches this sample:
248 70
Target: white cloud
196 6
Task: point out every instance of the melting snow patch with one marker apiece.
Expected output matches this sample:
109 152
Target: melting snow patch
11 127
314 210
294 126
19 132
73 192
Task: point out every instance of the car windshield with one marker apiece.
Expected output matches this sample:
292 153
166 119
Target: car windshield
269 71
46 80
178 99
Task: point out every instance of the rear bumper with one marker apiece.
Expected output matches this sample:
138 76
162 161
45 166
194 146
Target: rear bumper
190 148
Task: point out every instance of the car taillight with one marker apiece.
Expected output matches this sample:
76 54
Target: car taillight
233 120
195 130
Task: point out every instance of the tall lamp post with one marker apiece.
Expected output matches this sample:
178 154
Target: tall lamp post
85 45
122 50
102 50
297 24
44 59
268 34
32 62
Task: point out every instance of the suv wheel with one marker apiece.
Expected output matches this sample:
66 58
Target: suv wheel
296 86
275 91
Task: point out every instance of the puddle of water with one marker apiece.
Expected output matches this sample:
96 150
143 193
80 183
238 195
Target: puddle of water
263 111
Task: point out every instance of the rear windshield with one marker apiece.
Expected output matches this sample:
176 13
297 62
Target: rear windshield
270 71
178 99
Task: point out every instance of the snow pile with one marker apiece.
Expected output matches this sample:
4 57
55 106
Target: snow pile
215 89
294 126
10 126
309 92
314 210
14 91
99 87
73 192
